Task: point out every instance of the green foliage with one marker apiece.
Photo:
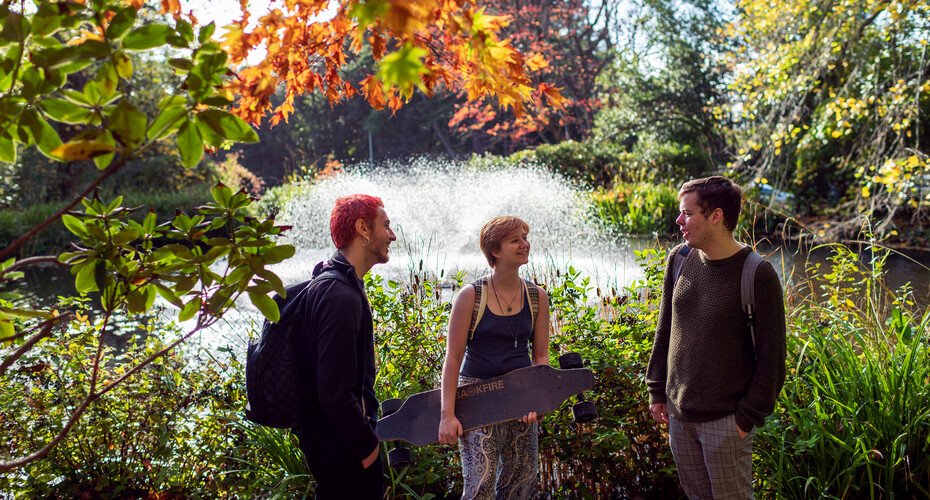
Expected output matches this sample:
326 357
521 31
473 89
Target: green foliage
638 208
623 452
589 162
150 435
853 420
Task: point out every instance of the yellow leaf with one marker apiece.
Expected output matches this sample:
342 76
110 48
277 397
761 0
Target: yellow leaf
537 62
82 150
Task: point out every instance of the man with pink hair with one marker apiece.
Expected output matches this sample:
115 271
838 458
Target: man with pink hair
340 409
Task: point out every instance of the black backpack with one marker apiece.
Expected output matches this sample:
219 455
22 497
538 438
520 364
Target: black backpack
272 381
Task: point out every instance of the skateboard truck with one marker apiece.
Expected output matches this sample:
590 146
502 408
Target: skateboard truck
582 411
398 456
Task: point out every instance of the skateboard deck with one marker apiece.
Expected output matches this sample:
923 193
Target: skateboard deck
539 388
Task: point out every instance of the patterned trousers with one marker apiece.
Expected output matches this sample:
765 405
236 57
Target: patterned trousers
713 461
500 461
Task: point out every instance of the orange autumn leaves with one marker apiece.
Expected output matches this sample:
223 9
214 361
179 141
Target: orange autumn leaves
417 44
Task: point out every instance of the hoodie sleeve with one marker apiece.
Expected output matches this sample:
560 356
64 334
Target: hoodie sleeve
338 329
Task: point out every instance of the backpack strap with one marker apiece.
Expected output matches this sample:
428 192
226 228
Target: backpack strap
679 262
481 301
532 298
748 292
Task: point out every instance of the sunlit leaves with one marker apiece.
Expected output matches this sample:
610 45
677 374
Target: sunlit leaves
470 52
148 36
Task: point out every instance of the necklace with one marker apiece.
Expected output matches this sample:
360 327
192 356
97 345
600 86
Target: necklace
509 302
507 323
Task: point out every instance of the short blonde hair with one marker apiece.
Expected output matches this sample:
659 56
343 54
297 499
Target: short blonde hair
493 233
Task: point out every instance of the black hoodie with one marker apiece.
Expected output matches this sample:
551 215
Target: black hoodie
341 408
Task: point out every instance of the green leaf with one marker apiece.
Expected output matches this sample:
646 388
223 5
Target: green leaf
147 37
135 301
209 134
404 68
128 124
123 64
168 121
45 137
206 32
108 78
65 111
6 326
189 310
95 49
169 295
180 64
185 30
266 305
221 194
273 280
190 144
7 149
56 57
46 20
229 125
84 281
75 97
121 22
172 101
15 28
103 161
278 254
75 225
148 224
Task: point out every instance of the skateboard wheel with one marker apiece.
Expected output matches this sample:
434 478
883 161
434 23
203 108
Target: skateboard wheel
389 406
398 458
584 412
570 360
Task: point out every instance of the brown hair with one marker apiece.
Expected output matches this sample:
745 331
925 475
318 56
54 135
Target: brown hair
493 233
716 192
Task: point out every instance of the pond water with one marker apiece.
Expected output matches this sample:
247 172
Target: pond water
437 210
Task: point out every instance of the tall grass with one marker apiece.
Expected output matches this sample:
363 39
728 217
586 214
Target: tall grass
853 420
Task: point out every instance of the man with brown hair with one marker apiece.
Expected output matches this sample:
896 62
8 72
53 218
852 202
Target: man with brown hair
710 378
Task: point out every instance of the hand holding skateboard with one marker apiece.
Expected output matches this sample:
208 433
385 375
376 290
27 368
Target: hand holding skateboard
519 395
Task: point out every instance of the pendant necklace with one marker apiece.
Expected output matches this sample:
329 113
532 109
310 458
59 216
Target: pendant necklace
497 297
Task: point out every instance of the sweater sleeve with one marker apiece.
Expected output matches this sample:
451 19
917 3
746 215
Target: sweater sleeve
337 369
657 371
769 373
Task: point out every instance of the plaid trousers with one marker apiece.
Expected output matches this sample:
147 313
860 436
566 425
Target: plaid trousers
713 461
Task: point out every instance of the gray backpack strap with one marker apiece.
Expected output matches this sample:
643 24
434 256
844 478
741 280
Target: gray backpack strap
679 261
481 300
532 298
748 292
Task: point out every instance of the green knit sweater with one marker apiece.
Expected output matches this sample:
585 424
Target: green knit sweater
703 365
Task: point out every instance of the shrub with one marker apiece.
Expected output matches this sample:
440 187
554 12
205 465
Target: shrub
638 208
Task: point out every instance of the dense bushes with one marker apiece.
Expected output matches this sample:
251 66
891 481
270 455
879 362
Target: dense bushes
852 419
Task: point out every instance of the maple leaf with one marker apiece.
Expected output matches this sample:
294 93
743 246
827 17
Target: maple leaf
373 91
537 62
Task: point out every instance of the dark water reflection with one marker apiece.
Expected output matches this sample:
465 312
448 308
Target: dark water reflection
41 287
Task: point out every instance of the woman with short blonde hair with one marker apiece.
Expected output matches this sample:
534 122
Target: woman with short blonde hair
500 460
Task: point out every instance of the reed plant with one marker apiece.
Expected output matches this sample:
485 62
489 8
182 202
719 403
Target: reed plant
853 420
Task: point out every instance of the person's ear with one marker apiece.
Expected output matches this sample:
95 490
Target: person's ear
361 227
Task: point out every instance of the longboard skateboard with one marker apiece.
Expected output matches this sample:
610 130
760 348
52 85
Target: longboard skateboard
540 389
